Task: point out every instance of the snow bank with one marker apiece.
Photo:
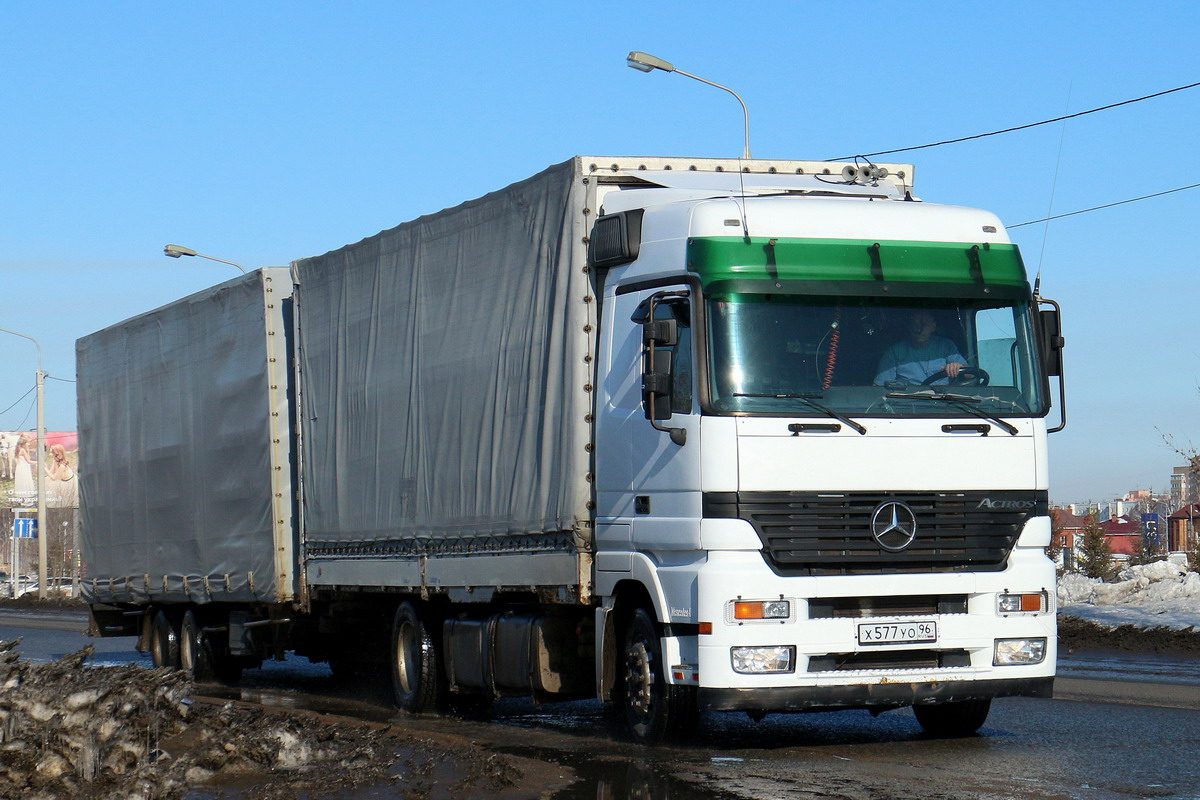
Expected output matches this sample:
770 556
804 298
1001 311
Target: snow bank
1158 595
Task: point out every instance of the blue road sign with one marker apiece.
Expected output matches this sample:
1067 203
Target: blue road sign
25 528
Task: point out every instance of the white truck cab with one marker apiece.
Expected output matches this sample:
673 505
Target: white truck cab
819 513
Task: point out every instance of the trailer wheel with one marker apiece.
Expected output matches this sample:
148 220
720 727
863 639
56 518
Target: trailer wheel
416 671
654 710
164 641
203 658
953 719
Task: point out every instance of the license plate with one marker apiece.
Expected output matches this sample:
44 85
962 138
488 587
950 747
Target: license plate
897 632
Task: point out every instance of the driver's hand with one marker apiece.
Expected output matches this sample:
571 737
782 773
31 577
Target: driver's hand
952 368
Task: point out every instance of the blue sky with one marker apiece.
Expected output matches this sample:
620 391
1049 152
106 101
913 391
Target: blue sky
265 132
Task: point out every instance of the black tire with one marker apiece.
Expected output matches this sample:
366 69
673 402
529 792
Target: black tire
203 658
164 641
950 720
417 680
654 711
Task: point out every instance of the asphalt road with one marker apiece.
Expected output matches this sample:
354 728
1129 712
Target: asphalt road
1118 728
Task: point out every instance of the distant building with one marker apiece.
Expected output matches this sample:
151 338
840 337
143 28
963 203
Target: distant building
1123 535
1181 528
1068 535
1183 486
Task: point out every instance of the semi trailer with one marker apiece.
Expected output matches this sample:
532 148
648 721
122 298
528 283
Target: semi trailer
682 435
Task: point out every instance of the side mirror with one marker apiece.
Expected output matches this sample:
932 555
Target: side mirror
656 387
1052 341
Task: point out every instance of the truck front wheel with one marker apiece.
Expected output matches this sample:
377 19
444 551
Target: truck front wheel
416 671
957 718
654 710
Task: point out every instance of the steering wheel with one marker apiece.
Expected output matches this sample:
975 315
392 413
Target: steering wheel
967 376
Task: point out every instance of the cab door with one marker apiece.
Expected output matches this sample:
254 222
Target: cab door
648 471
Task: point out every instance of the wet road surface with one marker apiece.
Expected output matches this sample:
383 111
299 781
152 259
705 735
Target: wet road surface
1109 745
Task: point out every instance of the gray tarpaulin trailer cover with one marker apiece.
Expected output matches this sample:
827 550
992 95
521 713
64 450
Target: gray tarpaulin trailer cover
444 366
184 479
443 406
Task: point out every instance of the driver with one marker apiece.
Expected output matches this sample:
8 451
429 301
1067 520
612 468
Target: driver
921 355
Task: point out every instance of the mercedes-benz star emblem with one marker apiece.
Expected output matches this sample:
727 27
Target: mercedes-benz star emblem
894 525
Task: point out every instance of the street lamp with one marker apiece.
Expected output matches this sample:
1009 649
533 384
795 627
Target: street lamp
177 250
644 62
41 466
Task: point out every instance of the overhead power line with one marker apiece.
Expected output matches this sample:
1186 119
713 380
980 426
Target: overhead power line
1106 205
1021 127
19 399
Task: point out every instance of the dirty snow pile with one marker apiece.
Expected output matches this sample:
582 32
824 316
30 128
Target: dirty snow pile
1158 595
70 730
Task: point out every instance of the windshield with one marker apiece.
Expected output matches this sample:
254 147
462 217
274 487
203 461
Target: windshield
872 356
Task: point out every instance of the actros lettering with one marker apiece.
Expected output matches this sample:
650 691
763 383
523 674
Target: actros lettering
1004 505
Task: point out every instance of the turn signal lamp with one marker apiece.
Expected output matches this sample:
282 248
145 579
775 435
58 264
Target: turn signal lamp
761 609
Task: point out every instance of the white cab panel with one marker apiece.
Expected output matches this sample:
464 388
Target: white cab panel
896 455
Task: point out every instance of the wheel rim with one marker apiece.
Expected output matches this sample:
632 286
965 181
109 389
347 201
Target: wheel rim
405 642
163 637
187 651
639 679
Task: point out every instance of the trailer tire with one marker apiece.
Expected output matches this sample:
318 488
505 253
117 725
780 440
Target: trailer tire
654 710
416 669
953 719
164 641
202 658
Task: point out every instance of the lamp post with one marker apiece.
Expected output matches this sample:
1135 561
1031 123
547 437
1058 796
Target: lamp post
40 474
177 250
645 62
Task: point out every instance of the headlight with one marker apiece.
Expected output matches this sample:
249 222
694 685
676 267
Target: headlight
1021 603
1011 652
761 609
762 660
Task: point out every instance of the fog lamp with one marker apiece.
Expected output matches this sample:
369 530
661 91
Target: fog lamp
762 660
762 609
1021 603
1011 652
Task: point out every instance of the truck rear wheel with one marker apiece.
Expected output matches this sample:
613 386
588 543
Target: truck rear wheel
416 669
654 710
202 658
164 641
957 718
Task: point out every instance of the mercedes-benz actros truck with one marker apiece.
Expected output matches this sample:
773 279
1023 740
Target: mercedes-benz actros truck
678 434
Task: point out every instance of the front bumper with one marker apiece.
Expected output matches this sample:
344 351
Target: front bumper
874 695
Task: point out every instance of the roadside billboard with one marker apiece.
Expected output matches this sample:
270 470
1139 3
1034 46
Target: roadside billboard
21 458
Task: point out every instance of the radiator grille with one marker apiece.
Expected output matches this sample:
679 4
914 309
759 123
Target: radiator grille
824 533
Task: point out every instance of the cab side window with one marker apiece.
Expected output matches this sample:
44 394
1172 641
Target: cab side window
681 360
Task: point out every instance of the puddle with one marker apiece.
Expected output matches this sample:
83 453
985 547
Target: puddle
616 778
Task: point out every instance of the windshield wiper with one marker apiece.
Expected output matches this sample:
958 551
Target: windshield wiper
963 401
810 399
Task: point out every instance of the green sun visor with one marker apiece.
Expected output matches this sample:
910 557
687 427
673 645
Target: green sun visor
734 263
